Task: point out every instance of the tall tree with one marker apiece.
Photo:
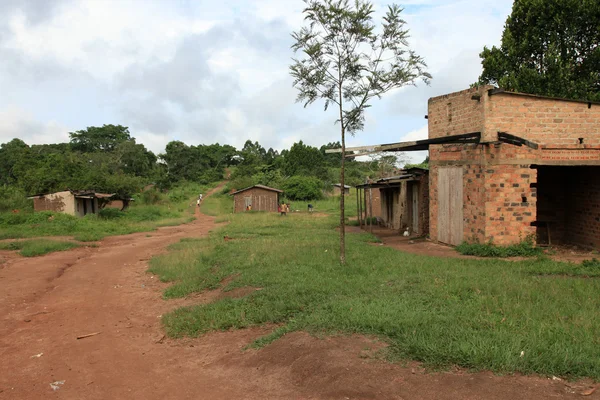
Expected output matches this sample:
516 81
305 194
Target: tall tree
345 62
304 160
94 138
550 48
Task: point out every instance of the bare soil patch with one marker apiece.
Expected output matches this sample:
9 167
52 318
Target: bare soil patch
47 302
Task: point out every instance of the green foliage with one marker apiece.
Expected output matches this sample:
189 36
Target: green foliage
346 63
37 247
150 196
424 164
14 198
99 139
587 269
303 188
548 48
477 314
218 204
593 264
202 163
240 182
111 213
523 249
304 160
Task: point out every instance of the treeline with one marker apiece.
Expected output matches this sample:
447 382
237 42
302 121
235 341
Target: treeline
108 159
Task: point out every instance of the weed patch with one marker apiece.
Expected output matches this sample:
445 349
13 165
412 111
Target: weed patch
523 249
38 247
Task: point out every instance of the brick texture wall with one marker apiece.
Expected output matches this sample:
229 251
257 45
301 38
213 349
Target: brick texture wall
583 206
455 114
499 184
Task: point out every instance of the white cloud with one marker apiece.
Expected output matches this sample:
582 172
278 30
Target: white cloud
203 71
18 123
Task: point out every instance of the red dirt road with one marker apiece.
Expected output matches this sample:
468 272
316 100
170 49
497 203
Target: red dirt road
46 302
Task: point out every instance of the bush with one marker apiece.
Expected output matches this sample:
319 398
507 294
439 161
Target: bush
12 198
240 183
594 263
111 213
303 188
151 197
523 249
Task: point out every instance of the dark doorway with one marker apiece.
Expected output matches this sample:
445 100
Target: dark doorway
568 205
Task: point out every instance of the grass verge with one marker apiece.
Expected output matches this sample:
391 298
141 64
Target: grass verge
38 247
477 314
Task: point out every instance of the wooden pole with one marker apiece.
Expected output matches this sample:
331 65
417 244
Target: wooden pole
357 202
360 208
371 207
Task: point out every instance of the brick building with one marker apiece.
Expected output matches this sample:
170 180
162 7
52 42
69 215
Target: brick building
256 198
529 167
400 202
74 202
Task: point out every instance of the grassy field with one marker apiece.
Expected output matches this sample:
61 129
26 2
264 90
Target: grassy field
150 211
37 247
534 316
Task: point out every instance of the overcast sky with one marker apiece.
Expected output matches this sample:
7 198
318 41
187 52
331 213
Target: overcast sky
208 71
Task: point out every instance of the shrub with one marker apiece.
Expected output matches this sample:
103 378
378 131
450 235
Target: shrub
594 263
150 196
111 213
523 249
240 183
303 188
12 198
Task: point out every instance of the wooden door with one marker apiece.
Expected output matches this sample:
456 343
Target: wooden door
415 207
450 205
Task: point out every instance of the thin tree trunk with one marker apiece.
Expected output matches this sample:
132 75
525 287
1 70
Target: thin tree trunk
342 178
342 198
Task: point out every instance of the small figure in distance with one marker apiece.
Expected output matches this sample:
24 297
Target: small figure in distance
310 208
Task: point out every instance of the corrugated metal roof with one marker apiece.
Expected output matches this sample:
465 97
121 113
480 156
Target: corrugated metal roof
260 187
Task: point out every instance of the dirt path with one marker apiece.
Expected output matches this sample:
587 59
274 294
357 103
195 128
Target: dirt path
46 302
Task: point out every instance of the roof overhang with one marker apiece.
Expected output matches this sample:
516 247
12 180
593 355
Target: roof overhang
419 145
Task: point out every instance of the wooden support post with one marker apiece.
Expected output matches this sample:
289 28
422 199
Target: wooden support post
360 220
357 201
371 207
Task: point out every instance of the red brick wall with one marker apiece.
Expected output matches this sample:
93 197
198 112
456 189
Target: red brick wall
544 121
262 200
455 114
510 205
497 177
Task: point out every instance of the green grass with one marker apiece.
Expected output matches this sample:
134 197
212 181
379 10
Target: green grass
37 247
477 314
523 249
173 208
330 205
217 204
